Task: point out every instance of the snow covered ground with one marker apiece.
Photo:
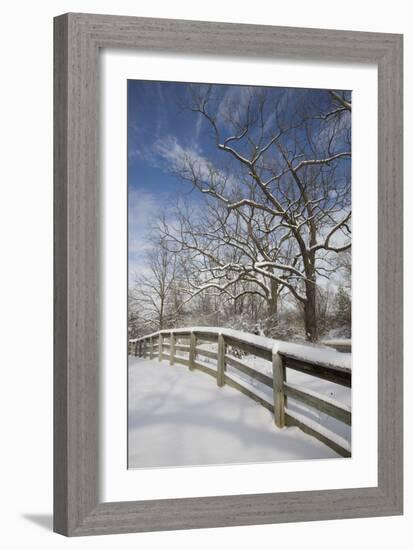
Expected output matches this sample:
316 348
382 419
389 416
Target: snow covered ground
178 417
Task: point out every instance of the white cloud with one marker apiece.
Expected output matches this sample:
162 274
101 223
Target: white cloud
234 101
198 128
177 158
142 208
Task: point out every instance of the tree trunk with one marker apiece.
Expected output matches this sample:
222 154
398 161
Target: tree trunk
310 313
310 305
272 310
273 301
161 314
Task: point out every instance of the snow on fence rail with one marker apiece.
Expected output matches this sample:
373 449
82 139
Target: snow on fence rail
326 364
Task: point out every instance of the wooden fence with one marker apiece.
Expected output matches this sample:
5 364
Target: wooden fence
165 344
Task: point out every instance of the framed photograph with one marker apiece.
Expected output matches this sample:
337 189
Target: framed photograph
228 274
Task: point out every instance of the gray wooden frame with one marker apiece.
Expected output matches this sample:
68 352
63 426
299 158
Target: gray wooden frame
78 39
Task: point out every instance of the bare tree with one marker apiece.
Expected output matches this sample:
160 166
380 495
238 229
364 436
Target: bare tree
134 320
219 250
279 196
155 290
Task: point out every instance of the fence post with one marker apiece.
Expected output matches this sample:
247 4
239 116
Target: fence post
278 373
192 347
221 361
150 348
160 347
172 349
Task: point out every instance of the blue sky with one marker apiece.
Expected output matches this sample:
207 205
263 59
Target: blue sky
154 112
160 128
154 117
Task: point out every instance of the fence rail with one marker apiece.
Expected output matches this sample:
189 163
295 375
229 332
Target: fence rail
165 344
